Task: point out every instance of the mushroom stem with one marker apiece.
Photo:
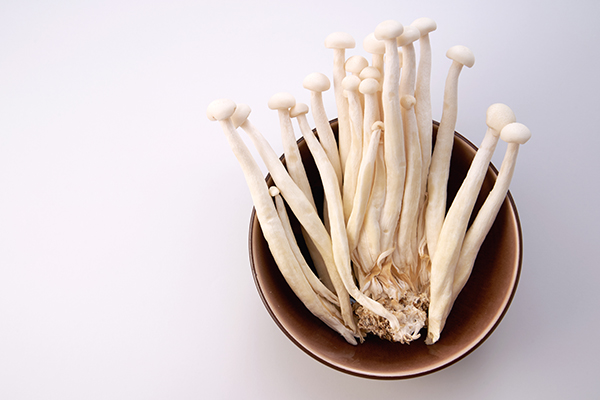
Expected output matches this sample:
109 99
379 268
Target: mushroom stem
363 189
314 281
306 215
339 237
282 102
489 210
339 42
268 218
451 237
423 95
351 84
408 246
317 83
440 159
395 159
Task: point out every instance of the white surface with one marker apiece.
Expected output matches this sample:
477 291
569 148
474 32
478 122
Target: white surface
124 271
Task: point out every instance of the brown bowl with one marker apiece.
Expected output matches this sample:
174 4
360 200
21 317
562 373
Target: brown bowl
476 313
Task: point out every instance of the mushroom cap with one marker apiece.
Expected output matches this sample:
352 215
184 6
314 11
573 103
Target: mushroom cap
274 191
339 40
461 54
240 114
410 35
407 101
316 82
220 109
515 132
498 116
373 45
370 72
281 101
378 125
424 25
351 83
298 109
355 64
369 86
389 29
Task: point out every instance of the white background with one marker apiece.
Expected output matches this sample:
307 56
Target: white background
124 270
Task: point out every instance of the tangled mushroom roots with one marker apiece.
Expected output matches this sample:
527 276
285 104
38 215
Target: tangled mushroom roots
411 311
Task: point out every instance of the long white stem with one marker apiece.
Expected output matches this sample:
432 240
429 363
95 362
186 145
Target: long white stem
305 213
451 237
275 235
338 227
394 153
314 281
363 190
440 160
325 132
484 220
355 154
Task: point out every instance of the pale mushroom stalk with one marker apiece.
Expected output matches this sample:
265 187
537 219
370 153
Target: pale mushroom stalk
317 83
452 235
304 211
338 227
339 42
515 134
368 88
423 95
350 85
395 159
282 102
407 250
440 160
314 281
369 245
407 246
221 110
364 184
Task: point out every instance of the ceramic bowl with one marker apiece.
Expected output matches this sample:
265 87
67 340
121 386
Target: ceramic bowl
477 311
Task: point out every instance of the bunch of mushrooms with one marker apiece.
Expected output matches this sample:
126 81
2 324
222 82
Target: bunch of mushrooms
388 257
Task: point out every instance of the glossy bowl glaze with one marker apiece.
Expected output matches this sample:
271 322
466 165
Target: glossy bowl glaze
477 311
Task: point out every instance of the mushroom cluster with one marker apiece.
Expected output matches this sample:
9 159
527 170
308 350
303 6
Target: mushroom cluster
388 256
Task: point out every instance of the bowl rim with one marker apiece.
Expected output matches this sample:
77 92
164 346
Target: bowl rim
486 333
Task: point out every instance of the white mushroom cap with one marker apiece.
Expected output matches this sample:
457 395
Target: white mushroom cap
356 64
274 191
281 101
378 125
316 82
370 72
298 109
461 54
351 83
498 116
407 101
369 86
339 40
424 25
241 114
389 29
515 133
221 109
372 45
410 35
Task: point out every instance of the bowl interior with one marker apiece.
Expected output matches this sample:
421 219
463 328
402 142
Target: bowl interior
477 311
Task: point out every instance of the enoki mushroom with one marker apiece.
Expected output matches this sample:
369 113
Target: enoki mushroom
388 259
